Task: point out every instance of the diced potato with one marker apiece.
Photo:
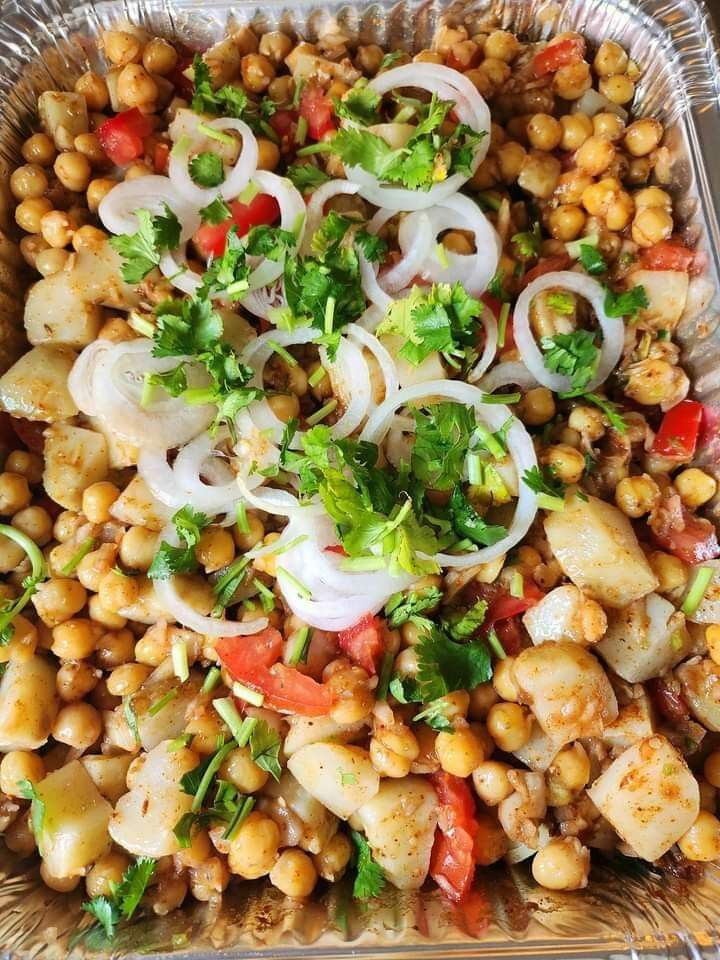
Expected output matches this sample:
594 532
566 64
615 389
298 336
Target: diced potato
57 312
319 767
666 291
565 614
568 690
144 817
96 270
399 823
121 453
36 386
596 547
74 458
170 721
317 824
539 752
75 821
649 796
408 374
63 116
305 65
645 639
28 704
108 774
305 730
634 722
700 681
137 507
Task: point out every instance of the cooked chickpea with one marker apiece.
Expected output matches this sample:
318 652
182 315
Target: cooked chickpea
568 774
608 125
242 771
281 89
544 132
97 500
136 88
353 699
285 406
127 678
209 879
74 640
670 571
93 87
75 679
198 852
503 681
78 725
566 222
431 56
711 769
637 496
116 591
60 884
11 554
205 729
694 486
121 47
587 421
459 752
114 648
28 182
510 157
610 59
107 871
67 525
101 615
393 749
568 463
73 170
254 848
702 840
40 149
712 639
334 857
215 549
276 45
36 522
29 213
256 531
57 228
655 381
643 136
159 57
562 864
570 82
539 174
651 225
97 190
257 72
576 128
502 45
94 565
652 197
26 464
89 146
268 154
52 261
595 155
510 726
497 71
20 765
294 873
537 406
491 783
619 89
59 599
18 836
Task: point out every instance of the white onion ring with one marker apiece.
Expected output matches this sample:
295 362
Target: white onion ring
236 180
613 328
280 503
263 301
381 354
118 206
509 373
416 244
80 378
350 379
371 319
489 349
171 601
520 447
369 281
316 205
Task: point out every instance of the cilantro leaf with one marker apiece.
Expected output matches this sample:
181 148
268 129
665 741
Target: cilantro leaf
369 877
37 807
125 897
265 748
562 303
610 409
573 355
141 251
593 262
390 59
467 522
307 177
186 328
442 437
528 242
625 304
229 101
360 105
372 246
270 242
544 481
215 212
169 559
465 623
403 609
206 169
435 715
9 609
445 666
105 913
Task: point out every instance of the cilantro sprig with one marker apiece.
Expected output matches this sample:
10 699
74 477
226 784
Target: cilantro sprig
549 488
627 303
170 560
10 609
445 666
229 101
369 876
124 898
574 355
142 250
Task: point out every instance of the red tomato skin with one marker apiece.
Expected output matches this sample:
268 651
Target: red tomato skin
161 157
505 606
284 122
667 255
510 635
547 265
242 655
363 642
561 53
210 238
695 543
452 861
679 430
455 63
317 108
121 137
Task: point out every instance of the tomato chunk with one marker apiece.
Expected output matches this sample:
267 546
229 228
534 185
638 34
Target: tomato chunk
121 137
667 255
254 661
210 238
504 606
161 157
679 430
690 538
547 265
452 861
284 122
317 109
363 642
560 53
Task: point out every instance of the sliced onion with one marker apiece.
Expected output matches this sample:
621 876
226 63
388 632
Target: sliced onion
511 373
118 207
80 378
381 354
592 102
371 319
292 218
416 244
280 503
174 267
170 600
399 440
369 281
316 204
263 301
520 447
490 348
351 383
612 328
237 178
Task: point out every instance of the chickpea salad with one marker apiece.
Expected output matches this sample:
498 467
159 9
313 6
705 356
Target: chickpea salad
350 527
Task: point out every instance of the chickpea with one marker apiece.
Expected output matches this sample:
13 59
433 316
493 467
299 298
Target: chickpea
95 565
73 170
334 857
11 555
93 87
136 88
114 648
257 72
49 262
459 752
497 71
491 783
121 47
608 125
254 848
393 749
138 547
105 872
127 678
159 57
281 89
702 841
205 729
536 407
539 174
655 381
639 170
502 45
209 879
36 522
445 37
510 158
285 406
75 679
670 571
651 225
576 128
566 222
571 82
510 726
431 56
637 496
568 774
479 79
618 89
694 486
712 638
294 873
568 463
619 211
20 765
40 149
61 884
562 864
104 617
29 214
242 772
276 45
457 242
595 155
116 591
503 681
197 853
78 725
59 599
28 182
97 190
349 684
587 421
74 640
643 136
89 146
544 132
653 197
268 154
25 463
610 59
57 228
153 647
465 55
18 836
255 533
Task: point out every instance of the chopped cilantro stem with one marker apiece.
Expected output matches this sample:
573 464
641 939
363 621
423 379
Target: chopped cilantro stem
178 651
517 585
301 131
489 200
322 412
491 442
212 134
141 324
242 811
298 654
501 397
210 771
287 546
494 643
241 521
239 728
37 561
267 597
282 352
386 669
253 697
156 707
697 590
329 314
474 469
363 563
211 680
131 718
300 587
85 547
547 502
502 324
184 740
316 376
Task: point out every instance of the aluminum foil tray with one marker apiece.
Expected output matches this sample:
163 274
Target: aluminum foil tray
629 909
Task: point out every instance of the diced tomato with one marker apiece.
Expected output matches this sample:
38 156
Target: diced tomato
463 64
121 137
548 265
317 108
210 238
254 661
474 914
668 699
492 303
452 862
679 431
510 635
560 53
161 156
336 548
284 122
30 432
667 255
690 538
503 605
363 643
